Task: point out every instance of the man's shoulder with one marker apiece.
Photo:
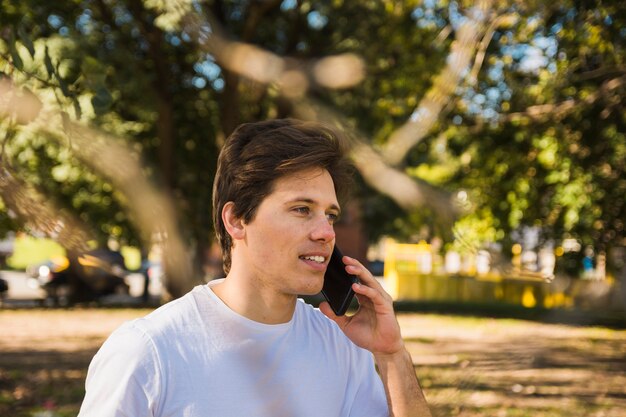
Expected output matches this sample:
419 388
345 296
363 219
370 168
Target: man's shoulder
181 312
154 333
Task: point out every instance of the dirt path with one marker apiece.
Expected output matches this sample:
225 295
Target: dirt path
468 366
487 367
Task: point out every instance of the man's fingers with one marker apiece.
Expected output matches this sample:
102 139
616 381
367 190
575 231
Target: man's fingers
369 292
366 278
355 267
368 286
375 295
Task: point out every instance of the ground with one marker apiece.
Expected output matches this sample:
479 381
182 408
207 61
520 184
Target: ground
468 366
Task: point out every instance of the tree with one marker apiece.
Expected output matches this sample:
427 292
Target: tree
429 96
545 126
92 52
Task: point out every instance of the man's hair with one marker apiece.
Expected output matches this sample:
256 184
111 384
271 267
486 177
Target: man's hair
256 154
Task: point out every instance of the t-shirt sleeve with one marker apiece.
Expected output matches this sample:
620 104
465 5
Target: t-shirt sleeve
370 399
124 377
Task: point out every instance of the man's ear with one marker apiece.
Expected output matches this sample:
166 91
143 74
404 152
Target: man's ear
233 224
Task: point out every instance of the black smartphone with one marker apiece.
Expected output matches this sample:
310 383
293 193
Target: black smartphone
337 288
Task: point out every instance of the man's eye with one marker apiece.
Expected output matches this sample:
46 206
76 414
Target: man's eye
332 218
302 210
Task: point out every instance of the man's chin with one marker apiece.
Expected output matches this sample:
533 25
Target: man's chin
310 292
312 289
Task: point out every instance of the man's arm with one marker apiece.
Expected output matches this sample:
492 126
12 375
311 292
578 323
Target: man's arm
123 378
374 327
404 395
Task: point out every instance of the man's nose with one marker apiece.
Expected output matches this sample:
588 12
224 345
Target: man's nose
323 230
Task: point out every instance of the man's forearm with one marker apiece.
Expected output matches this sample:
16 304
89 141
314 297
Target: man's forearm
404 394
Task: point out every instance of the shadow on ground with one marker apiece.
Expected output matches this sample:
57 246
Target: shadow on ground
31 380
468 366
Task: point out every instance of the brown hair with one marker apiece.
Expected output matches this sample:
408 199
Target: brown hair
256 154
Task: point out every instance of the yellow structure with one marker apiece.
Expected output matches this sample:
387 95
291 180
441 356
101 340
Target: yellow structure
408 278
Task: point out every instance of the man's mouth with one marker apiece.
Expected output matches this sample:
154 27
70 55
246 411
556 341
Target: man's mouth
314 258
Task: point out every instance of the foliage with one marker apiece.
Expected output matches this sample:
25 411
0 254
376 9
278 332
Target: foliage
109 66
542 132
535 138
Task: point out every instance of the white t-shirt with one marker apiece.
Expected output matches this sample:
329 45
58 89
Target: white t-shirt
195 357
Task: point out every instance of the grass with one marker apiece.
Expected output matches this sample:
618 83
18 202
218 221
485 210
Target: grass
468 366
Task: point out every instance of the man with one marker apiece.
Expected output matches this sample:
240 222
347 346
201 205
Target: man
245 345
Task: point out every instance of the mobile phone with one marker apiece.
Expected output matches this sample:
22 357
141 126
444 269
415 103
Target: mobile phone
337 289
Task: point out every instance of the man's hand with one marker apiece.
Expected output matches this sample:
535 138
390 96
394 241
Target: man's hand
374 326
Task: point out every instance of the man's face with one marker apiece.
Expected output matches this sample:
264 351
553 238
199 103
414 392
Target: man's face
289 242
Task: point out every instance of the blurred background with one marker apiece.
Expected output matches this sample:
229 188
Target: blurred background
488 141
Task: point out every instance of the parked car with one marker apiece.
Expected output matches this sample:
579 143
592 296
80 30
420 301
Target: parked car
82 277
4 289
154 279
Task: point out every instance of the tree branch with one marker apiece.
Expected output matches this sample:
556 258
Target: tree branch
230 102
430 107
161 85
291 76
508 19
557 111
408 192
377 168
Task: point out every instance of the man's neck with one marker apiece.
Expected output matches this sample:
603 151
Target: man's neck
263 305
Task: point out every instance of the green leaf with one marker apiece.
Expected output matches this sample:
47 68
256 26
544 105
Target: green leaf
48 63
64 88
77 109
28 43
17 60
